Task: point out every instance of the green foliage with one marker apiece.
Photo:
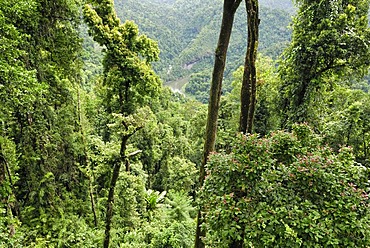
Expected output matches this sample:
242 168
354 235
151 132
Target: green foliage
66 231
171 141
40 67
199 85
38 88
180 206
170 224
346 122
10 236
286 190
62 123
130 202
178 174
129 80
177 235
267 118
154 199
92 57
179 227
330 41
186 33
18 88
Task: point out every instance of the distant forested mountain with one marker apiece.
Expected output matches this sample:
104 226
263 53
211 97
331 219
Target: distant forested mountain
278 4
187 32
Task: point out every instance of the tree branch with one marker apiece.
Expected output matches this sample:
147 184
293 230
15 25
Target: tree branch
134 153
236 5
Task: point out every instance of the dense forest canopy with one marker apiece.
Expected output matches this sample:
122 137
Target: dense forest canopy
97 151
186 32
187 41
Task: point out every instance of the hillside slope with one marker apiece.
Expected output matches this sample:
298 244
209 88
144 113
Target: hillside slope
187 32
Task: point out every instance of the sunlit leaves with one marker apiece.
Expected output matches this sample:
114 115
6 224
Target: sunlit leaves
127 68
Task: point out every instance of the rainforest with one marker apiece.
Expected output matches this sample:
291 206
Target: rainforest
184 123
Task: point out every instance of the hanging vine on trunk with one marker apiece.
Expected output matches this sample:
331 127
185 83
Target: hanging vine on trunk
129 78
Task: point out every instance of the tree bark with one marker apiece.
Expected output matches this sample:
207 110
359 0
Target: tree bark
92 200
249 84
123 158
109 213
116 169
229 9
237 244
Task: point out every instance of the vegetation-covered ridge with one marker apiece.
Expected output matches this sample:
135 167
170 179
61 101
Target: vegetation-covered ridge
186 32
96 152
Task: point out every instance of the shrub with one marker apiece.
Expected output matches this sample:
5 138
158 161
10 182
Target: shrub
286 190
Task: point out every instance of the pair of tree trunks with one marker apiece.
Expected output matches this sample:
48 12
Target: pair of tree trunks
249 84
229 9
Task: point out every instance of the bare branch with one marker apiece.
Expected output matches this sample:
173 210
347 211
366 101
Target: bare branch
134 153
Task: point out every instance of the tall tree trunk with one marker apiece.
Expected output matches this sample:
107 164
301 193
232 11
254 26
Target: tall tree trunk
92 200
229 9
109 213
249 84
123 159
86 158
116 169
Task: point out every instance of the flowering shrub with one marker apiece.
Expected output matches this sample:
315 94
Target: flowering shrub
286 190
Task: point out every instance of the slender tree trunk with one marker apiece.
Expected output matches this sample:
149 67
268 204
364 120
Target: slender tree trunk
229 9
109 213
364 143
5 170
86 158
4 174
116 169
249 84
92 200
